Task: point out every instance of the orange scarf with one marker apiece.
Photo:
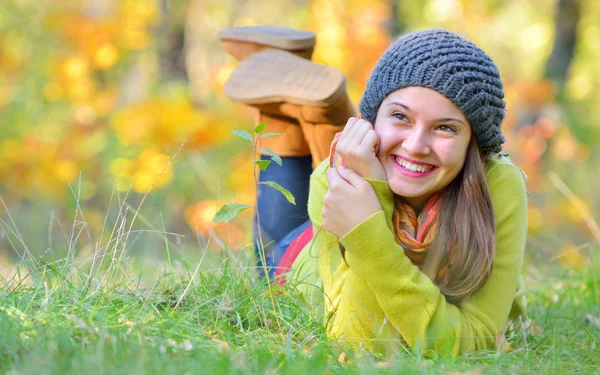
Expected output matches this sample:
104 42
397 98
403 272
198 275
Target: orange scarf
413 233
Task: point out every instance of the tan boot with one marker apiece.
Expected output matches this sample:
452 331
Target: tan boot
282 84
242 42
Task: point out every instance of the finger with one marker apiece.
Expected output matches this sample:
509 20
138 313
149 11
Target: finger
349 129
336 181
351 177
355 135
370 142
349 125
360 130
333 177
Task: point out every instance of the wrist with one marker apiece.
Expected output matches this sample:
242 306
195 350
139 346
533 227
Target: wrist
359 230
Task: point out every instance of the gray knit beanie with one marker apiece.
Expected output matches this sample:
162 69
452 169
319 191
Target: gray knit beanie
449 64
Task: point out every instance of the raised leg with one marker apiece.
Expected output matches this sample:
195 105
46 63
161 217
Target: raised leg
278 217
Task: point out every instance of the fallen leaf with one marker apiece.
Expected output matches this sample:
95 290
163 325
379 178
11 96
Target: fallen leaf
80 323
592 320
187 345
502 344
384 364
222 346
532 327
506 348
226 304
537 330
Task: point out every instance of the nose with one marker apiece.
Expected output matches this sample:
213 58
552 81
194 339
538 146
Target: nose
417 142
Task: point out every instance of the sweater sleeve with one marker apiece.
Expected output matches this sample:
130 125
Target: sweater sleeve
324 243
414 305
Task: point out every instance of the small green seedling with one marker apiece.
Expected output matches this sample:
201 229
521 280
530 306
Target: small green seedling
229 211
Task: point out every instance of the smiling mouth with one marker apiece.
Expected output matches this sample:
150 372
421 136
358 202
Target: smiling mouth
417 168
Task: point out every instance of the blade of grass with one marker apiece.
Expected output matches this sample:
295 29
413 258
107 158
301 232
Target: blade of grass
577 204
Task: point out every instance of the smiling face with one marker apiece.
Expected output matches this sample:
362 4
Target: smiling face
424 141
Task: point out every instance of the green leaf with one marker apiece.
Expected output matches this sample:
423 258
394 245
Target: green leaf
274 156
260 128
262 164
243 134
289 196
229 211
267 135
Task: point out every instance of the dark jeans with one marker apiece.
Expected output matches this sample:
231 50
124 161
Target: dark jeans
280 221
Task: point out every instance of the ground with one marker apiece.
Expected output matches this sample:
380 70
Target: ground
56 318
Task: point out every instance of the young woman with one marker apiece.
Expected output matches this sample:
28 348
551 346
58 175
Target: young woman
419 229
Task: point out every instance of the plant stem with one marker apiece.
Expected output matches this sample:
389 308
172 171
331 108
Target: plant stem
262 247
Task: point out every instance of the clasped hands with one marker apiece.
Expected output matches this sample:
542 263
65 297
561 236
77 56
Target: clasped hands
351 199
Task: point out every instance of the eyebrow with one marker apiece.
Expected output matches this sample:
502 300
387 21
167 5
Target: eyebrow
410 110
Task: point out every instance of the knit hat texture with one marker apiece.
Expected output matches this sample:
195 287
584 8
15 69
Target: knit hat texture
449 64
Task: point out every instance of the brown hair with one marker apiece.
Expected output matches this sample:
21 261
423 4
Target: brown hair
466 222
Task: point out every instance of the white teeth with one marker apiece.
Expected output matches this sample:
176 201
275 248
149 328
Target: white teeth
413 167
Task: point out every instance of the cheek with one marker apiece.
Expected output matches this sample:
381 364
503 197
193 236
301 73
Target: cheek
453 160
388 139
384 146
385 149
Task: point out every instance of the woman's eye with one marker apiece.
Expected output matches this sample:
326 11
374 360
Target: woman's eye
447 129
399 116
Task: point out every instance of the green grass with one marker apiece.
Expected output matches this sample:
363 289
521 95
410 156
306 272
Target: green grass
58 318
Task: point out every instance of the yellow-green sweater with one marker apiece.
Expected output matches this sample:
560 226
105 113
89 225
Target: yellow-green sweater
379 299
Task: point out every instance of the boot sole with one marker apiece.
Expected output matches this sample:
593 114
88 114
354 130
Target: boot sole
277 76
274 36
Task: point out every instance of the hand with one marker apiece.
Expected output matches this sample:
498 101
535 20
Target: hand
349 201
358 148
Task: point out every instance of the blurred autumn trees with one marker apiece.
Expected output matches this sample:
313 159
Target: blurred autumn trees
96 96
565 37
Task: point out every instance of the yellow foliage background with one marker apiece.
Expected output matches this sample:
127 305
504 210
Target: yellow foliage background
97 96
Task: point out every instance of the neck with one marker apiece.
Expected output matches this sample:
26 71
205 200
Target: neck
416 204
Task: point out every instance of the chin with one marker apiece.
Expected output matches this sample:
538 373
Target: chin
403 190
